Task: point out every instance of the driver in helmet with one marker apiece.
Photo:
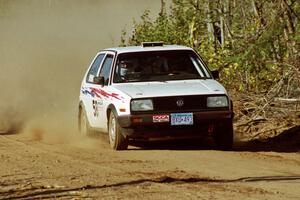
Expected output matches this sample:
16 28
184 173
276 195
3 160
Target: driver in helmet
125 68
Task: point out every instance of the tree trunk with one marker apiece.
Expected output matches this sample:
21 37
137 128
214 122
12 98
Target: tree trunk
222 25
290 27
192 39
209 23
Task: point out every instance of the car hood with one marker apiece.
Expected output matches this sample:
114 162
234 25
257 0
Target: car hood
171 88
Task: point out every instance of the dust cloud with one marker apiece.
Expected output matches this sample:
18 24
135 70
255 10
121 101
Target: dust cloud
45 48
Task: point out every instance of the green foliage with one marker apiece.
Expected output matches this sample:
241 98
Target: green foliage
247 41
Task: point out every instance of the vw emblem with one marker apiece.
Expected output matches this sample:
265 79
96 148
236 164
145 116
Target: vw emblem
180 102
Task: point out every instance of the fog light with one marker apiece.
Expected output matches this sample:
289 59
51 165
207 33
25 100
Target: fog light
137 120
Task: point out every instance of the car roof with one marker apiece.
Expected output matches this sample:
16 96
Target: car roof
130 49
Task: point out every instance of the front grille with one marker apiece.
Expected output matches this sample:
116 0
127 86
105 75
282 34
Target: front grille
193 103
166 104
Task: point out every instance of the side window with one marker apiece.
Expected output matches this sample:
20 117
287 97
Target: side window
94 68
105 70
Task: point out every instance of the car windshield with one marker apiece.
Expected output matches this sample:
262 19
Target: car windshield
159 66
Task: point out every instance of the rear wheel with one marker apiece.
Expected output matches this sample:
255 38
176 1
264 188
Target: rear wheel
116 139
223 136
84 126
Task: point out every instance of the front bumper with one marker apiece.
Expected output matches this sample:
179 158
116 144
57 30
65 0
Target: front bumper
144 125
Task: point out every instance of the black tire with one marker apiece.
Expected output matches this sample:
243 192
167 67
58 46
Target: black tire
116 139
223 136
83 124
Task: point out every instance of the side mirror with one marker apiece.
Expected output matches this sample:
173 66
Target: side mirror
215 74
99 80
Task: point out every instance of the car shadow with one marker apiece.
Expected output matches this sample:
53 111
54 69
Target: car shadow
287 141
175 144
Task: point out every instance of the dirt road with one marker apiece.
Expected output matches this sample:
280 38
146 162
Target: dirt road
67 167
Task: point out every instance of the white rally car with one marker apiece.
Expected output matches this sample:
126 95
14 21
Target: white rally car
153 91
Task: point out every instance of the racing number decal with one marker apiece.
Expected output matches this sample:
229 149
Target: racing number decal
96 107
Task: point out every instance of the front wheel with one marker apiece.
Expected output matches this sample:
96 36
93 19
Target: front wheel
223 136
116 139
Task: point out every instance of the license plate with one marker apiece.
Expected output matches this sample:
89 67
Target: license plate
182 119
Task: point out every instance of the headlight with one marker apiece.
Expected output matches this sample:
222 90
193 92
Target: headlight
218 101
141 105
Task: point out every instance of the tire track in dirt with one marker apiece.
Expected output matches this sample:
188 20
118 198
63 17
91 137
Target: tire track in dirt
56 192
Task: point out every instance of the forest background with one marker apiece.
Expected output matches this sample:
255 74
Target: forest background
252 43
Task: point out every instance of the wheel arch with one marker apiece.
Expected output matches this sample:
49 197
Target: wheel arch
80 107
110 108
